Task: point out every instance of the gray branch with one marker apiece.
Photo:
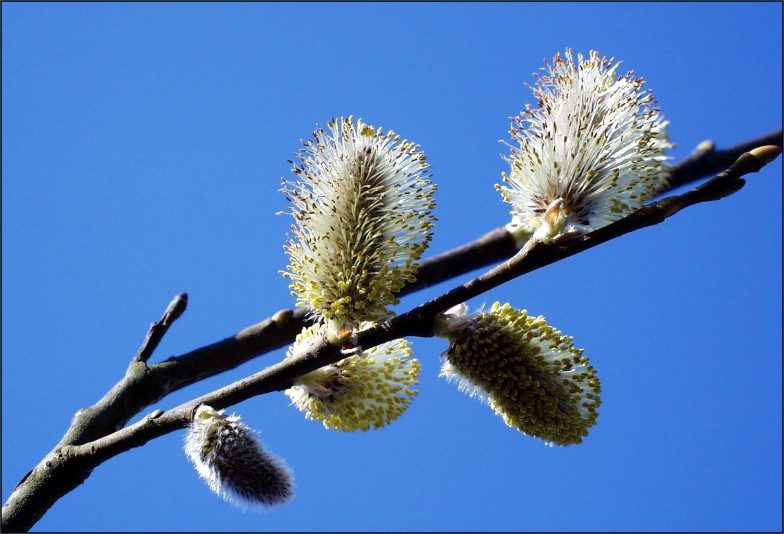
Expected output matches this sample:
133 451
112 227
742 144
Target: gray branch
97 434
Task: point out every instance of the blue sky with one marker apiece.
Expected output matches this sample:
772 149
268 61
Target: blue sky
143 148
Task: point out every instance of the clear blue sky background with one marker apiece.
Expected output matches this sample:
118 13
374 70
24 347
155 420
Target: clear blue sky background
143 147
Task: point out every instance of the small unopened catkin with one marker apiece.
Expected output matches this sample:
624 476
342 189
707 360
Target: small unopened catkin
229 457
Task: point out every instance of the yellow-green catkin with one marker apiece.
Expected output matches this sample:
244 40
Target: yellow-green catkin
362 204
360 392
527 371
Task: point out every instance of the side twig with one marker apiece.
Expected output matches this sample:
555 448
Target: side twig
158 329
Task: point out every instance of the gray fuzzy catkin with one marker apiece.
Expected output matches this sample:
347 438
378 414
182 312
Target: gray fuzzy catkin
229 456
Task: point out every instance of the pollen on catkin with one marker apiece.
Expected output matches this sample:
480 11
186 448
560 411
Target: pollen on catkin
589 153
528 372
363 391
362 205
228 456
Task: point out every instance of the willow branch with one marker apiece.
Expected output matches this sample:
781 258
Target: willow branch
491 248
70 464
144 384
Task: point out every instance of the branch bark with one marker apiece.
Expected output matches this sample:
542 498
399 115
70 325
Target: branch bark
706 161
97 433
